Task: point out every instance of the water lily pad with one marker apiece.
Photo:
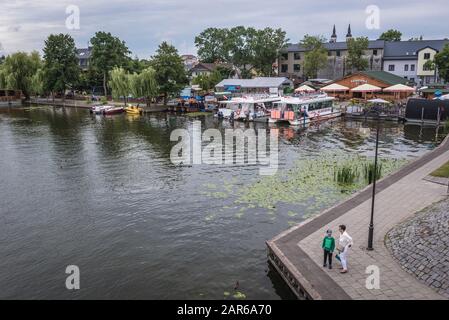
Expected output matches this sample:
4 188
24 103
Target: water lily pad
239 295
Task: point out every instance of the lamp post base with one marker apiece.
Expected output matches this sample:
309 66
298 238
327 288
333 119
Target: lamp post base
370 238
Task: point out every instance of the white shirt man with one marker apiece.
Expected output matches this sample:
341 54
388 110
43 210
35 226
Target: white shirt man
344 244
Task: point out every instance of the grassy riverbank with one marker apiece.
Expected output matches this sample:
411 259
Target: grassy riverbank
442 172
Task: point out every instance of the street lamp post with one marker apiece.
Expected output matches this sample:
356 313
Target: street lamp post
371 225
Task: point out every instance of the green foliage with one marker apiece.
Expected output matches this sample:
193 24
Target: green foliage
310 183
368 170
213 45
119 83
136 65
144 84
391 35
104 100
170 73
108 52
61 68
208 82
346 174
441 61
38 82
316 55
18 71
442 172
240 43
266 47
288 90
356 50
3 83
246 48
203 80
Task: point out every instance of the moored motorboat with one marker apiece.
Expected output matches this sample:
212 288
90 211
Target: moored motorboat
135 110
100 109
113 110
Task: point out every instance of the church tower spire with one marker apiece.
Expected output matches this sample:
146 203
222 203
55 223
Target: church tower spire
349 35
334 36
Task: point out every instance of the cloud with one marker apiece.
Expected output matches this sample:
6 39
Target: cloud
143 24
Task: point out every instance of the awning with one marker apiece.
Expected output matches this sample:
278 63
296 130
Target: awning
305 88
335 87
366 88
399 88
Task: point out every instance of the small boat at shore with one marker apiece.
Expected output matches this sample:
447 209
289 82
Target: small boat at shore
135 110
100 109
113 110
302 110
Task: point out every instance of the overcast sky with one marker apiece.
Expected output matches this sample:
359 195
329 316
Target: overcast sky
143 24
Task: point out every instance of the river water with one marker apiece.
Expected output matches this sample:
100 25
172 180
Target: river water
101 193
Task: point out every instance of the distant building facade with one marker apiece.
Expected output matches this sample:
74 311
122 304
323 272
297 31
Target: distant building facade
403 58
205 69
407 59
259 85
189 61
83 55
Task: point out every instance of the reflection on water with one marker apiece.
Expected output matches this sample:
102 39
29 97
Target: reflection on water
101 193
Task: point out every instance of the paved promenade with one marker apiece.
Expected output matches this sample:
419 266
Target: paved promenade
399 196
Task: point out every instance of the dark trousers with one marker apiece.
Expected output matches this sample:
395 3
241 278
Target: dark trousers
327 256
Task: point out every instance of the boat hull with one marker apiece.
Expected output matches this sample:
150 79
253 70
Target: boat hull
113 111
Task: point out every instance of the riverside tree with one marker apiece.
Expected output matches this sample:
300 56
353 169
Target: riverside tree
246 48
108 52
356 50
18 71
170 73
316 55
61 69
213 45
144 84
38 82
267 45
120 83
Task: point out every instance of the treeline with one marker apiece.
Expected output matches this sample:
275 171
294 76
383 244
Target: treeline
110 67
242 51
249 50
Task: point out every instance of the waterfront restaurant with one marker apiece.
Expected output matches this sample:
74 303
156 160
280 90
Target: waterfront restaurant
371 79
260 85
10 97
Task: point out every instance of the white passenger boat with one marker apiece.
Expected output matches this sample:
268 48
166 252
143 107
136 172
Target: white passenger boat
303 110
247 108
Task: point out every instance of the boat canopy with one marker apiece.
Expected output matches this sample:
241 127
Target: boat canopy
251 100
306 100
